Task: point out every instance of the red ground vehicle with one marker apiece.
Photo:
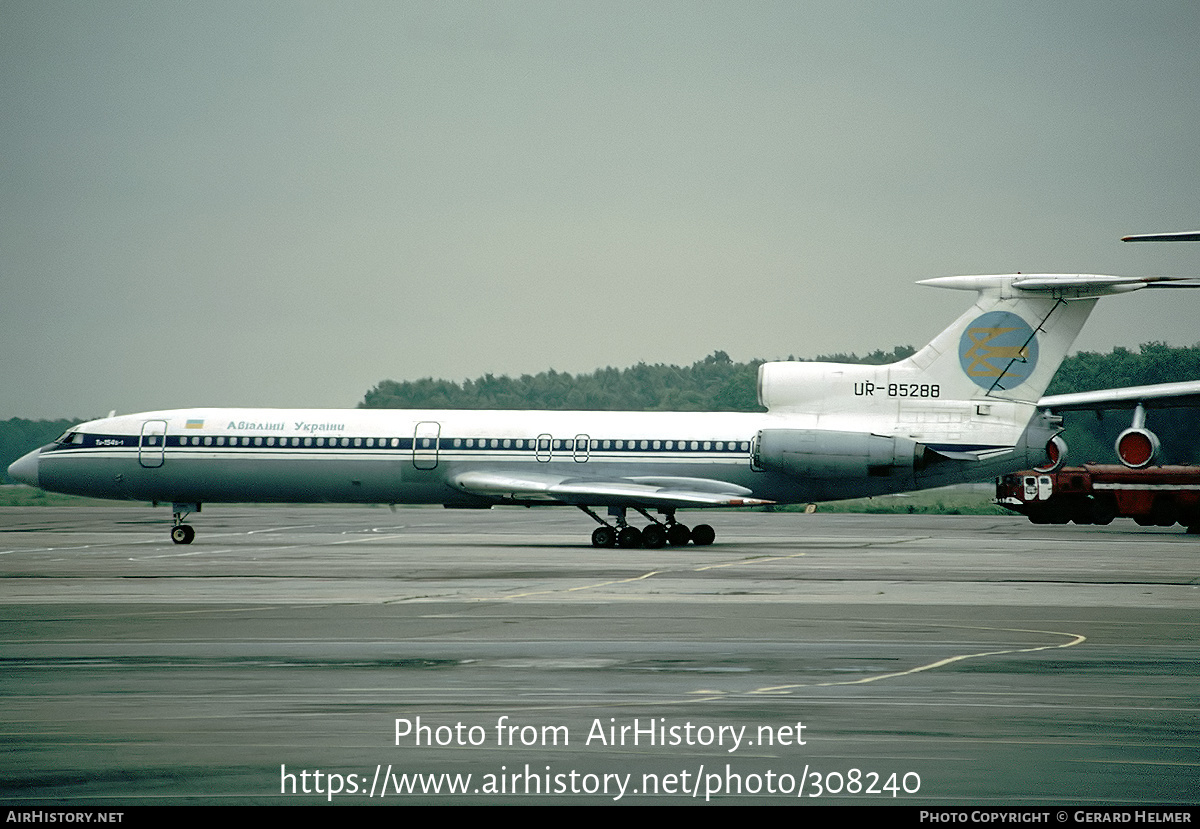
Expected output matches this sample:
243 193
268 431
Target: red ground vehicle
1097 493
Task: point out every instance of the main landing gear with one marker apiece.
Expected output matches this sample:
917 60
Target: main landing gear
183 533
657 534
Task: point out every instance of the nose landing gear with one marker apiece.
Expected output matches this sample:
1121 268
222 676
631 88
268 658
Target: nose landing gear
182 533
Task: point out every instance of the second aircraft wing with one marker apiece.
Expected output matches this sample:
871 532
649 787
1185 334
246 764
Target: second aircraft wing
1161 395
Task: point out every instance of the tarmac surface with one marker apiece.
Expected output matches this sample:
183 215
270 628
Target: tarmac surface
304 655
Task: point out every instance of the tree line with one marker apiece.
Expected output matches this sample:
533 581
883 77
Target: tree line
714 384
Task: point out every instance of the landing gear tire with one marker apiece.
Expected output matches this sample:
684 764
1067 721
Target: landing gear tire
1163 514
629 537
1081 513
654 537
183 534
703 535
604 537
1103 512
678 535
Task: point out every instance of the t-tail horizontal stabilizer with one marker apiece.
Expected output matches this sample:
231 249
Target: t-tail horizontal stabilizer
1059 285
1178 236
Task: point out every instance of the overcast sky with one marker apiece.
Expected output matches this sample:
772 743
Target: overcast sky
284 203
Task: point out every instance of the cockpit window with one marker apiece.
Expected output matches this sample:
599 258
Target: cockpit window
69 437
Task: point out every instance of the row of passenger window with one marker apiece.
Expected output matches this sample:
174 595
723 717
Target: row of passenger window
595 445
542 444
370 443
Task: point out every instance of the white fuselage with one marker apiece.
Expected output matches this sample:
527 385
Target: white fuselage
962 408
419 456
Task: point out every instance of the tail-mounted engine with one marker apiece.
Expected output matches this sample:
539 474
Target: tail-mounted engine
813 453
1137 446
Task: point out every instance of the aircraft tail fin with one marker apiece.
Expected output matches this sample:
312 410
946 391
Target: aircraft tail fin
1010 343
1005 348
971 393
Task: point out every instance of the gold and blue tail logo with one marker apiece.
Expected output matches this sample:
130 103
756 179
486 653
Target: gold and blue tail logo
998 350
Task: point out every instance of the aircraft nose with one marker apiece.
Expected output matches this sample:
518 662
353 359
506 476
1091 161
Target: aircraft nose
25 468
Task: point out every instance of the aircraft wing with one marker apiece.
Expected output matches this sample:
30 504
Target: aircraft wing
1161 395
585 491
1181 236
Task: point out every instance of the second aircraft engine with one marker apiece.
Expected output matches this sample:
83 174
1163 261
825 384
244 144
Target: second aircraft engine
814 453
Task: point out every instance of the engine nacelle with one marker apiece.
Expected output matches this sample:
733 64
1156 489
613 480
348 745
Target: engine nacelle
1136 447
813 453
1056 455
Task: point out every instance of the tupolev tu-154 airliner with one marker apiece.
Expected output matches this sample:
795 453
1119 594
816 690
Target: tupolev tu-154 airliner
963 408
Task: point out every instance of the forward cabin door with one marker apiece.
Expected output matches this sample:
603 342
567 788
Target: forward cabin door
152 445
